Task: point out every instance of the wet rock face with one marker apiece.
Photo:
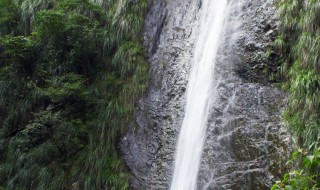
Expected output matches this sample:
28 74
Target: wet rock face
169 35
258 61
246 143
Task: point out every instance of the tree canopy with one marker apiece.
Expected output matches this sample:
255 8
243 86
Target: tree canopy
70 74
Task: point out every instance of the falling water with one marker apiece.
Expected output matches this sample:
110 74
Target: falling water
192 134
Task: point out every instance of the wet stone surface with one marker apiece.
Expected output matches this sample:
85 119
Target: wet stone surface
246 144
169 35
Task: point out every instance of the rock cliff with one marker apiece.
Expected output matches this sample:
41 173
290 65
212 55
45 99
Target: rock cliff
246 139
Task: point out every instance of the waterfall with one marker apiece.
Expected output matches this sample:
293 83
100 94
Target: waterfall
192 134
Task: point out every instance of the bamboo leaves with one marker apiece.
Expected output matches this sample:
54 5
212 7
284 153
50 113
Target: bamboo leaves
300 46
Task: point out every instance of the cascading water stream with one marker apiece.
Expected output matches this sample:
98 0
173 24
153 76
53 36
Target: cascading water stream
192 134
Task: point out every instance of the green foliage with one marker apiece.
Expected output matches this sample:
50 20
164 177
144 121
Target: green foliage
306 174
299 44
50 22
8 17
70 74
60 88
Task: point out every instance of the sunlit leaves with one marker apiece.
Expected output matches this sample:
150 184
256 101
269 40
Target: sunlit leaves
304 174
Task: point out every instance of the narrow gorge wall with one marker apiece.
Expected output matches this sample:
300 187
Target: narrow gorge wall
246 144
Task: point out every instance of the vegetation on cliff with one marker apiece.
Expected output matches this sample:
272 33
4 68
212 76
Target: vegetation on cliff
70 73
299 44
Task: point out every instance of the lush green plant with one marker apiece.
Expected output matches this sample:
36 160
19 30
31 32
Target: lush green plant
299 45
8 17
70 74
306 174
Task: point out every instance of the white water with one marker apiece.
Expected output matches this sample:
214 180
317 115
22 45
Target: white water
192 134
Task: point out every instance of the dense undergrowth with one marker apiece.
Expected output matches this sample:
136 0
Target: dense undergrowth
299 44
70 73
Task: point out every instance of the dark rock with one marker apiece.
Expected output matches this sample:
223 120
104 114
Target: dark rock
169 35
